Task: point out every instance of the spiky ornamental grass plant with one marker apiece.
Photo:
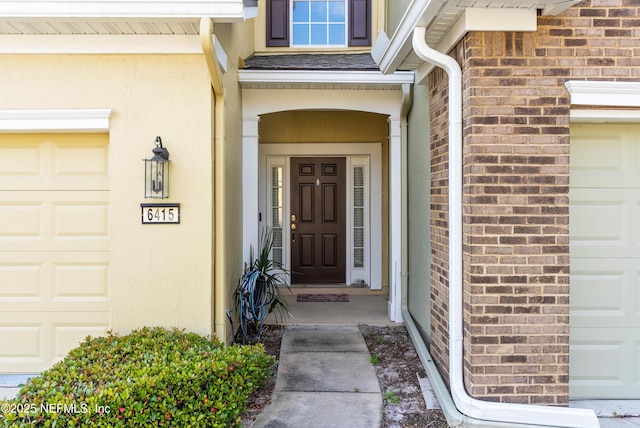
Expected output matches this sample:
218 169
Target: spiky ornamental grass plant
258 292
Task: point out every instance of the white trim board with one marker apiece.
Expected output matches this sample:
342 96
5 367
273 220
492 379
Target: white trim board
607 93
81 120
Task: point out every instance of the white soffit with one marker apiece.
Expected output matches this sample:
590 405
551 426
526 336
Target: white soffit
89 120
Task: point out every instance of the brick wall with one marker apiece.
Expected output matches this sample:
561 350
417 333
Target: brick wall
439 152
516 194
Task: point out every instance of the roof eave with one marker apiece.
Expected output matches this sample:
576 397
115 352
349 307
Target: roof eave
435 15
220 10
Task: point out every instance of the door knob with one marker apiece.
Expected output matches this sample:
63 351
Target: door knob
293 226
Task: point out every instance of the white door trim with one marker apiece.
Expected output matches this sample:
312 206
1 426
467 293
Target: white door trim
369 154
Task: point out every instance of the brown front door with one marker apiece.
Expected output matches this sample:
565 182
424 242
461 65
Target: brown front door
318 214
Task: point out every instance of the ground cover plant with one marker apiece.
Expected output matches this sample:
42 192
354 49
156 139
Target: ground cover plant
151 377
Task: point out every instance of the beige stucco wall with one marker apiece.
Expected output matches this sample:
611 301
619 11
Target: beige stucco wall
237 40
159 274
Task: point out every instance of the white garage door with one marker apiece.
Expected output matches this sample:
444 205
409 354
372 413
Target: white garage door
54 246
605 261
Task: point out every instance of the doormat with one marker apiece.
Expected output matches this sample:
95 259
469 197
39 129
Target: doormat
323 298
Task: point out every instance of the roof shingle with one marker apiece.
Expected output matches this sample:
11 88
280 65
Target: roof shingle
332 61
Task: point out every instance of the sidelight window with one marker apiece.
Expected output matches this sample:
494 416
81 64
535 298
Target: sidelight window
277 211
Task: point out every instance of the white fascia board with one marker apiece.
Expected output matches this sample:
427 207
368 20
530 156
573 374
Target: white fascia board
610 94
396 49
500 19
322 76
99 44
221 10
81 120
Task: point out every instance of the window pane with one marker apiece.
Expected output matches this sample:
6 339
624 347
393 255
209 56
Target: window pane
336 34
300 34
336 11
318 11
318 34
300 11
358 217
358 258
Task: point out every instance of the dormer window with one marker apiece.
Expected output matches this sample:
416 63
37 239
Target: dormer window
318 23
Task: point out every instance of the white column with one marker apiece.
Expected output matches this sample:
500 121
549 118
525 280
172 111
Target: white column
395 220
250 229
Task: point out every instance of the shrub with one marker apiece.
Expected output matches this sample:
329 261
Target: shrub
151 377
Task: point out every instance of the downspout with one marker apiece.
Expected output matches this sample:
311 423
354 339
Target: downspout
207 40
405 106
472 412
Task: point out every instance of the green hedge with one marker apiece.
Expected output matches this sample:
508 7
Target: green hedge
151 377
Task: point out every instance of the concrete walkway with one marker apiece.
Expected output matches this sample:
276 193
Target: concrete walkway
325 379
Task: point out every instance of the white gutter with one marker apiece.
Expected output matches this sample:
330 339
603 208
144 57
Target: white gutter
479 410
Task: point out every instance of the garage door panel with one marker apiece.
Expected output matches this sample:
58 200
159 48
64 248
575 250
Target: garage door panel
19 279
90 219
54 162
19 220
605 293
80 160
54 221
35 341
63 280
21 341
19 160
605 262
605 221
610 366
608 156
54 246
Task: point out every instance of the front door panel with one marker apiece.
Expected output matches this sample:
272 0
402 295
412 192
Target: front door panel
318 220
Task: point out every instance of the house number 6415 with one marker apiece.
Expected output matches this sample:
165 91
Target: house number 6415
160 213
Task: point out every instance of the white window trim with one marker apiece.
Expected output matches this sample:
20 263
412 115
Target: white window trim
356 153
326 46
84 120
363 272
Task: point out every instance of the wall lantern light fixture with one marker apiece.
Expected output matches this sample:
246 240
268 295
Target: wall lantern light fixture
156 172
